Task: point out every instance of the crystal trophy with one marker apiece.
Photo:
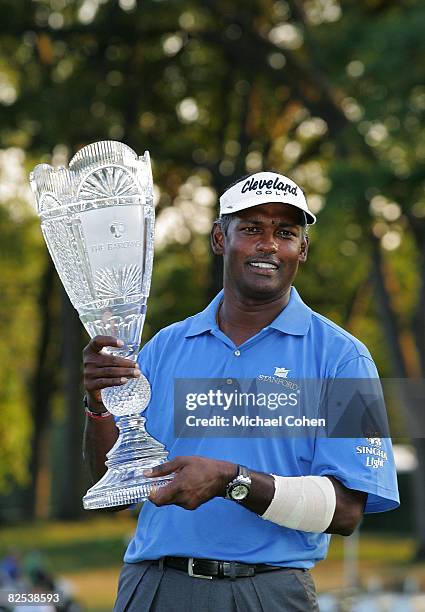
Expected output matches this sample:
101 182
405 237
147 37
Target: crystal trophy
97 218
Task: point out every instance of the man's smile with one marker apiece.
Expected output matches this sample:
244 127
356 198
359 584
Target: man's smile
262 266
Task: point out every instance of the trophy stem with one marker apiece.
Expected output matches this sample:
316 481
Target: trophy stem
124 483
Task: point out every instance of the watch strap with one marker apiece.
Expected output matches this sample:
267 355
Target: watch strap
243 471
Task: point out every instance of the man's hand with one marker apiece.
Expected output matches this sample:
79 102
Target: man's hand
196 481
103 370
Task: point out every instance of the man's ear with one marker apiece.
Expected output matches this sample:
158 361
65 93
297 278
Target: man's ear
217 239
303 250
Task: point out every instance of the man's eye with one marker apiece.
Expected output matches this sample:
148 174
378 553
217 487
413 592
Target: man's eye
250 229
286 233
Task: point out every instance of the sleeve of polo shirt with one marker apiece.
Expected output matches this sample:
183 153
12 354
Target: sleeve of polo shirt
363 464
144 358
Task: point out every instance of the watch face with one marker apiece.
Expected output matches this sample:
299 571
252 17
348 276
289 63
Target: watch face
239 491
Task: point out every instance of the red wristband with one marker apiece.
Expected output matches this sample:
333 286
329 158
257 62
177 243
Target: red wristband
98 415
95 415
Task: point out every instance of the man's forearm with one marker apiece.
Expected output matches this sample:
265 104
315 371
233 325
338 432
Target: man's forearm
199 479
101 371
261 494
99 437
348 511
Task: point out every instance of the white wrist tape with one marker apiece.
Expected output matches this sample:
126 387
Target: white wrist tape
306 503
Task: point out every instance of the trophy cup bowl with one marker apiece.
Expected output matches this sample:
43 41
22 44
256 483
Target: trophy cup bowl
97 219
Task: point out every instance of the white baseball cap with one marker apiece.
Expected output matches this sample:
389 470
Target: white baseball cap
264 188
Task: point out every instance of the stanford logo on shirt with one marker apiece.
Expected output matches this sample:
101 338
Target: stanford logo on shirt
281 372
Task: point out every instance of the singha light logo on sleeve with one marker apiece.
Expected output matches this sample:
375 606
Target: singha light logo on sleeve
375 441
375 456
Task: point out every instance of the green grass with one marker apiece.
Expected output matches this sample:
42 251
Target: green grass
68 546
386 548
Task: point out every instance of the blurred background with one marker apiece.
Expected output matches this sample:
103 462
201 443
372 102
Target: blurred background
329 92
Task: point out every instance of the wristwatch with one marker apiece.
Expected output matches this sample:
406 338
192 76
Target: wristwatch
238 489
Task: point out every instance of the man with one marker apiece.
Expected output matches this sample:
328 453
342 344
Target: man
250 514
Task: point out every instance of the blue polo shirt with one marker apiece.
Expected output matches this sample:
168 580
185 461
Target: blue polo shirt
309 346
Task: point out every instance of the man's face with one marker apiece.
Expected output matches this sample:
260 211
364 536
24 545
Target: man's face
261 250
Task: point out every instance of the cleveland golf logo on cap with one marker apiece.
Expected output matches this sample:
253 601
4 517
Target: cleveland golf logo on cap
278 185
264 188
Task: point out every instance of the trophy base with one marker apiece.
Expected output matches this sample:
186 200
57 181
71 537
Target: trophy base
107 494
124 483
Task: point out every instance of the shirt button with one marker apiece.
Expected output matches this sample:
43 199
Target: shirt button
237 353
229 381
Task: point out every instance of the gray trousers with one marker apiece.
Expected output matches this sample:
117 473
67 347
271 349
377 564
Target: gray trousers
144 587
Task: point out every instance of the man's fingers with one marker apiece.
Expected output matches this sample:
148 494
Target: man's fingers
105 360
162 496
94 354
101 383
162 470
97 343
111 372
183 488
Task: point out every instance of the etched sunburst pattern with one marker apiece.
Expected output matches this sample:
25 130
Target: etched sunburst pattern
108 182
118 282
